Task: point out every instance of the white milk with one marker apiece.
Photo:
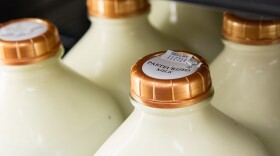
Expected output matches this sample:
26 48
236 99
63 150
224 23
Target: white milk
180 123
46 109
111 46
246 79
196 26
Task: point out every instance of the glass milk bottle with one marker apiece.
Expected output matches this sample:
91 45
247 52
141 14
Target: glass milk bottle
171 93
198 27
46 109
119 35
246 76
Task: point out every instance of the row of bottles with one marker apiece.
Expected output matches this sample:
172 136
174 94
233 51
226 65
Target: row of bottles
70 107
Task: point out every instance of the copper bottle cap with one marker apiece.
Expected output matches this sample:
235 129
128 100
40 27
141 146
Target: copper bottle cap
26 41
117 8
170 79
251 31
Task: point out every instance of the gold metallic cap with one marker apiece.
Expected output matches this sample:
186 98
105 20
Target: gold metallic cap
117 8
159 81
251 31
26 41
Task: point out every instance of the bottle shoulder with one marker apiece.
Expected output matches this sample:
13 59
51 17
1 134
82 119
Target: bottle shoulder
189 133
54 80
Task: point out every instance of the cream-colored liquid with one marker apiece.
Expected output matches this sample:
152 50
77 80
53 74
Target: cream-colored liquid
246 81
110 47
46 109
198 27
198 130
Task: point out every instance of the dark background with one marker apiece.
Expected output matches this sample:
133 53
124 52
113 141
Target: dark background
70 16
264 7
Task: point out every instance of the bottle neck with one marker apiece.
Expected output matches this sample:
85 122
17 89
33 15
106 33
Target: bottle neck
127 21
32 67
172 112
237 48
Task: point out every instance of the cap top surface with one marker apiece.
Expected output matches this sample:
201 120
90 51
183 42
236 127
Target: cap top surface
22 30
170 65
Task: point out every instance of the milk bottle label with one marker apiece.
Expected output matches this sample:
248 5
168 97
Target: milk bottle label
171 65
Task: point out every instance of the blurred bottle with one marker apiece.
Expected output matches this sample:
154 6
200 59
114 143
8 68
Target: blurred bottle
171 93
246 75
46 109
120 34
198 27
